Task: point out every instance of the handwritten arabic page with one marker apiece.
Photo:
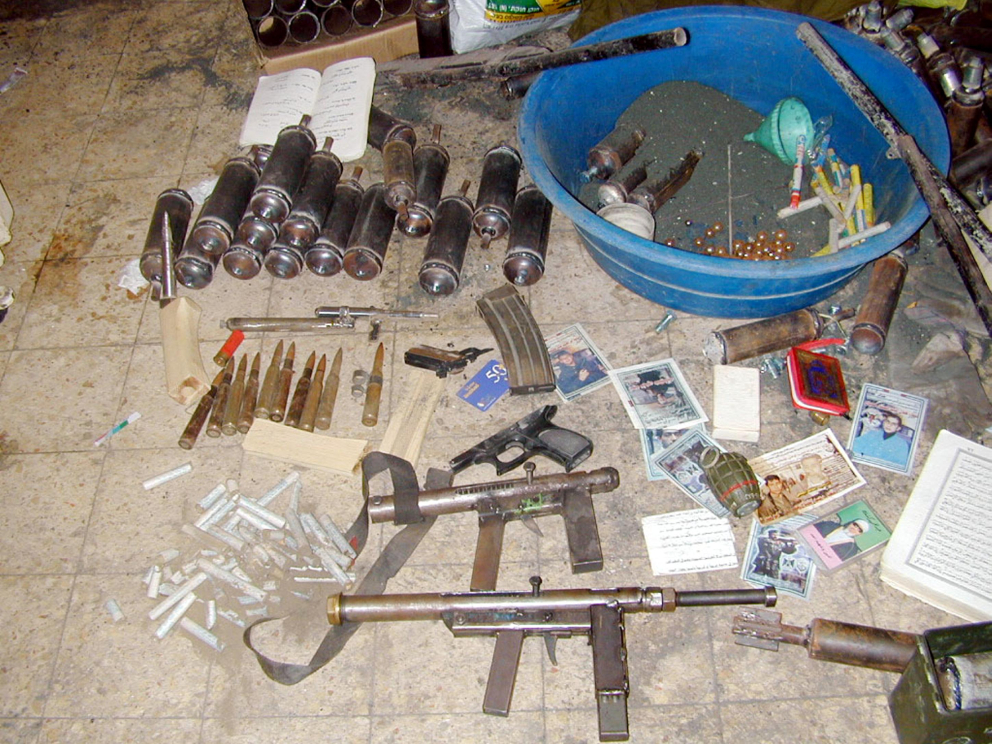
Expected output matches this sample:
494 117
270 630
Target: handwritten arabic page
939 549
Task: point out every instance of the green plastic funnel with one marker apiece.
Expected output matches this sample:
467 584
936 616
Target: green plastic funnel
781 128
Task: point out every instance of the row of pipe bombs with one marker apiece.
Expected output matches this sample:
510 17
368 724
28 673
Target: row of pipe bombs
276 22
287 207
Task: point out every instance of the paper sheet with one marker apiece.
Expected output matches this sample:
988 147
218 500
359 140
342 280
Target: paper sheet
689 541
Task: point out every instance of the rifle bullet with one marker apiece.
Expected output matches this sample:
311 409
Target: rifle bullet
216 419
268 390
326 408
309 415
234 398
300 394
247 414
281 396
370 414
188 438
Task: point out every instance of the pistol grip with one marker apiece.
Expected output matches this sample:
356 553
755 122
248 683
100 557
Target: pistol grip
609 665
584 549
503 672
487 554
566 447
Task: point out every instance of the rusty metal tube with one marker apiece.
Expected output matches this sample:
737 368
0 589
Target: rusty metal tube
464 498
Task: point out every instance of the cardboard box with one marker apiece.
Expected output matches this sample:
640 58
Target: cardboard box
391 39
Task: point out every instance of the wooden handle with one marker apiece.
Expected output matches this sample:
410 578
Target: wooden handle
185 378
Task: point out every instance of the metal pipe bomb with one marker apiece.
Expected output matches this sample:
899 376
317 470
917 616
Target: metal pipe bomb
430 165
325 257
611 153
283 172
215 225
497 190
527 243
176 206
369 238
311 204
440 271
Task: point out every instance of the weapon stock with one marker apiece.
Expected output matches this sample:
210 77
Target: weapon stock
499 502
560 613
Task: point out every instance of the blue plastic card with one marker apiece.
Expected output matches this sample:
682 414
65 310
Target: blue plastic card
487 386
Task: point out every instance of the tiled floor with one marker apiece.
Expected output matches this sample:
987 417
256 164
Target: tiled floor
124 100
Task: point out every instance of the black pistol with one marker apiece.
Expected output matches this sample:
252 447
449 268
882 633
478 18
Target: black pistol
534 435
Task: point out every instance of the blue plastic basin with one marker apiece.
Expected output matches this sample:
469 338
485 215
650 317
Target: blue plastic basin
753 56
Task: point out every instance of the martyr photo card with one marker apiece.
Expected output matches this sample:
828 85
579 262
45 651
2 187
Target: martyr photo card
656 396
886 428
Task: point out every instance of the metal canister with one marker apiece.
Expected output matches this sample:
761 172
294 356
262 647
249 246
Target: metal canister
369 238
618 188
610 154
527 243
430 166
283 172
384 127
433 19
325 256
440 272
178 205
497 190
398 174
215 225
312 202
732 480
243 260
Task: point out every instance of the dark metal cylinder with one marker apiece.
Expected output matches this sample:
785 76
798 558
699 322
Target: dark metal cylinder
312 202
871 325
326 255
433 28
497 190
441 270
271 31
367 12
860 645
369 238
304 27
243 260
215 225
397 7
384 127
336 20
527 243
398 174
430 164
257 9
611 153
618 188
762 336
289 7
179 206
283 172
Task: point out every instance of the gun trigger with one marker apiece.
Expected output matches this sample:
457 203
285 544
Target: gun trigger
551 644
531 524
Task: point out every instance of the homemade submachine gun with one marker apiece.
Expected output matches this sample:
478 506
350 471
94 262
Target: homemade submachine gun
551 614
499 502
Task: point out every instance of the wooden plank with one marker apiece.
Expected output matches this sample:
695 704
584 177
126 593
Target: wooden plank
289 444
408 425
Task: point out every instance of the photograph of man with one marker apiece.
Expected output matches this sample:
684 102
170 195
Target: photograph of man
842 536
885 442
576 369
771 548
774 498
